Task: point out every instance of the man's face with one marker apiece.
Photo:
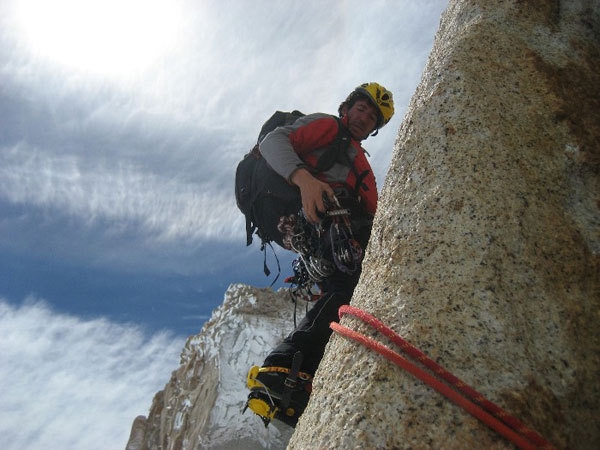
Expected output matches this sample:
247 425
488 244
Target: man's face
362 119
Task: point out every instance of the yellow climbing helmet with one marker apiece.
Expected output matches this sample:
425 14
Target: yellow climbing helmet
381 98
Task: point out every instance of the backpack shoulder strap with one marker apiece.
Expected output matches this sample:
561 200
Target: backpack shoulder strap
338 148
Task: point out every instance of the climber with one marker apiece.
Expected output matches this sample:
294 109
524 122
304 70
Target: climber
343 198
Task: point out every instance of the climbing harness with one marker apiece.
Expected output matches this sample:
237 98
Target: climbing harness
321 249
468 398
313 243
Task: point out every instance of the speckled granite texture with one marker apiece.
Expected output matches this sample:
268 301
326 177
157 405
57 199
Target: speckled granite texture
485 251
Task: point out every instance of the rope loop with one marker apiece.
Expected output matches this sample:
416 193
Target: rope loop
442 381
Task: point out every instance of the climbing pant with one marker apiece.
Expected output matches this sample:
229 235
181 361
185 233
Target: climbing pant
312 333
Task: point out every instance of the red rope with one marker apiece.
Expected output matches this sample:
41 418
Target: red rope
472 401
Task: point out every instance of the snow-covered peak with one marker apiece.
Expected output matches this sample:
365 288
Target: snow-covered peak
201 406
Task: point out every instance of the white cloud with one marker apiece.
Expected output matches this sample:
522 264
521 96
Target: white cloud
109 37
113 170
163 207
69 383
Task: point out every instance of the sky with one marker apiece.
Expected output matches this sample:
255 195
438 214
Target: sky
121 124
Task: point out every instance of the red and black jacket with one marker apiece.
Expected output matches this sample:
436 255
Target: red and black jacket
303 143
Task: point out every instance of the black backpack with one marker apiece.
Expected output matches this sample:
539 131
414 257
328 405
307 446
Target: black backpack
264 196
254 178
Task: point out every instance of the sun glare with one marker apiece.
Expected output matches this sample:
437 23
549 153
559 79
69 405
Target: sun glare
106 37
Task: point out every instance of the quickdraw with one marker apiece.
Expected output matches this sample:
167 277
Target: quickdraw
302 287
346 251
468 398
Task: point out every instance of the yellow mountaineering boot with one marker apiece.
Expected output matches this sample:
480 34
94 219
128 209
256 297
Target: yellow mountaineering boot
278 393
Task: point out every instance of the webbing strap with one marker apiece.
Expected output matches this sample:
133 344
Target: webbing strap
291 381
301 375
266 269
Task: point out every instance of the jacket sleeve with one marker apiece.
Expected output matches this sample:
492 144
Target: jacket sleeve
284 147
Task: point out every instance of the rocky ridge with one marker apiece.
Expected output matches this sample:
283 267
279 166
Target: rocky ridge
201 405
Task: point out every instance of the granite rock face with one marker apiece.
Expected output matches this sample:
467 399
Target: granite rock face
486 248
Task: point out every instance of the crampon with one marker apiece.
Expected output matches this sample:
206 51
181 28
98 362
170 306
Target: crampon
278 393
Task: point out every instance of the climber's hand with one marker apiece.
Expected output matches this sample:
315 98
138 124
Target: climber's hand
313 192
